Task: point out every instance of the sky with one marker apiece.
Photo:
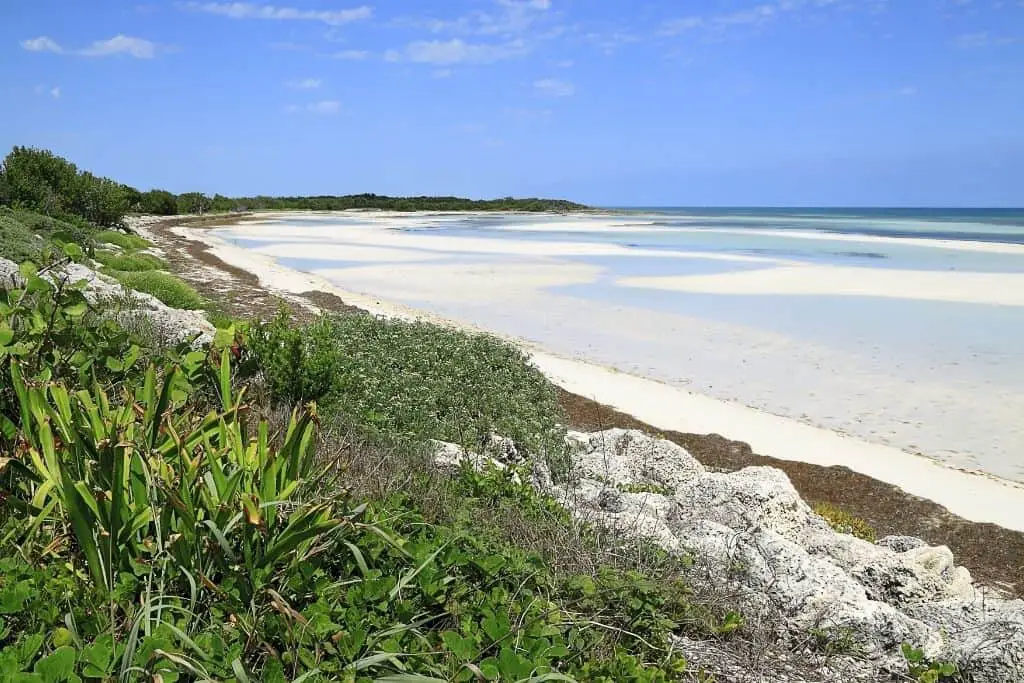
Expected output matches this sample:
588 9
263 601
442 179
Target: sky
608 102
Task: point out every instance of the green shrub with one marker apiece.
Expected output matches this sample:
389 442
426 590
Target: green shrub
845 523
18 243
171 290
129 262
122 239
417 380
23 234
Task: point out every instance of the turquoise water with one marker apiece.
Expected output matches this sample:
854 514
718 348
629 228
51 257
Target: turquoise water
942 378
827 236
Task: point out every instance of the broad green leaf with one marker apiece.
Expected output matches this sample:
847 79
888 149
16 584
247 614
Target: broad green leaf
58 666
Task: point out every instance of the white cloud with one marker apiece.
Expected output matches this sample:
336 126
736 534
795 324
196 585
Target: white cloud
351 55
42 44
907 91
675 27
456 51
970 41
754 16
304 84
324 107
441 73
565 64
552 87
53 92
121 44
510 18
247 10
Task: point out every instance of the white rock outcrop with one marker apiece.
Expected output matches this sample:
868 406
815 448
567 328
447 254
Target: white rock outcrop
749 531
172 323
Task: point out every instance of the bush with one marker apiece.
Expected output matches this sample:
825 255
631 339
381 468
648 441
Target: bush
18 243
50 229
122 239
845 523
171 290
416 380
129 262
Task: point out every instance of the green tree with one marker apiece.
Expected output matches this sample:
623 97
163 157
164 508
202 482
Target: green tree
37 179
193 202
159 203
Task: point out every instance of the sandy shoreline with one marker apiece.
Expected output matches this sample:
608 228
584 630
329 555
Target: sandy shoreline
975 497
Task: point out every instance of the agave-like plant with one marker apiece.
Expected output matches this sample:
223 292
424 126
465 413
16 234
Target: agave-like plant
145 477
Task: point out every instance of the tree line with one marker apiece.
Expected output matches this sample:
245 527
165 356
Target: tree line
42 181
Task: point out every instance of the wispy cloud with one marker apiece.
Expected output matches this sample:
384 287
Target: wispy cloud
754 16
324 107
552 87
42 44
610 42
973 41
441 73
304 84
247 10
509 18
456 51
119 44
351 55
53 92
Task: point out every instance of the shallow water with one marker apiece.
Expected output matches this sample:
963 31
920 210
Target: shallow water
941 378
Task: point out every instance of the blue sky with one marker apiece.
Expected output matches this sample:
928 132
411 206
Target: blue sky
611 102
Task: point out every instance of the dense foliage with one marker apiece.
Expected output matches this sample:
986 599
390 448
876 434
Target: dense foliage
39 180
153 526
414 379
42 181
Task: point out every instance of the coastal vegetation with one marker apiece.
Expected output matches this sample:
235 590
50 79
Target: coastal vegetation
43 182
266 507
845 523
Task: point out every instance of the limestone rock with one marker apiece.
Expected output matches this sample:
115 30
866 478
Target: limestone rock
901 544
751 533
173 323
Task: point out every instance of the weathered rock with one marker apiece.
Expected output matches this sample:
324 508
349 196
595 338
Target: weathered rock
450 457
628 456
750 532
901 544
172 323
9 275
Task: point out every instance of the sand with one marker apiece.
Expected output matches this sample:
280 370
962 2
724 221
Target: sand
1006 289
974 496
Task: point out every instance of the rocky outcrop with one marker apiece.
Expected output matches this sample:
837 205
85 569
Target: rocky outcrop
750 532
124 304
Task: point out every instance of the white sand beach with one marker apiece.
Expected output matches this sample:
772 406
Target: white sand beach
512 284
